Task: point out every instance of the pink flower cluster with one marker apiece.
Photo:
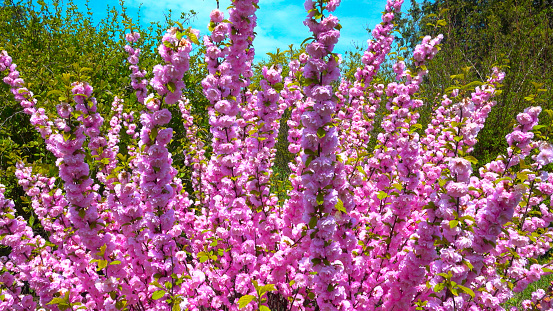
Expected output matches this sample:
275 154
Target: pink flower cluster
409 224
137 76
174 50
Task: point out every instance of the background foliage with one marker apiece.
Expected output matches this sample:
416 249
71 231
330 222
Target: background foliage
516 36
56 43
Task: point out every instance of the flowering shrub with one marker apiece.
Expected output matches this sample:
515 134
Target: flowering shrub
406 225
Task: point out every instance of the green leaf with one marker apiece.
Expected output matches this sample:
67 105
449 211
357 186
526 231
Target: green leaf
57 300
179 24
267 288
245 300
211 26
171 87
471 159
158 294
522 176
308 161
203 258
444 275
193 38
468 217
398 186
176 307
313 222
466 290
120 304
453 223
278 86
115 262
168 44
340 206
472 85
468 264
264 308
458 77
320 198
439 287
102 264
381 195
454 291
54 92
321 132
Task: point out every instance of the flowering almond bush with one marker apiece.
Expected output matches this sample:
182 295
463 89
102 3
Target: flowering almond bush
408 224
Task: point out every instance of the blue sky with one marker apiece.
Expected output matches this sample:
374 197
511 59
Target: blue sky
280 22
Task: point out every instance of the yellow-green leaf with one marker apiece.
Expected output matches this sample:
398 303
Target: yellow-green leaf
466 290
381 195
244 301
340 206
453 223
158 294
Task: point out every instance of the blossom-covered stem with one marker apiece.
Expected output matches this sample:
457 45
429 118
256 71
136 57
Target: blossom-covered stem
195 156
138 83
160 204
395 168
360 98
17 235
269 107
112 145
25 97
241 52
377 50
228 170
323 175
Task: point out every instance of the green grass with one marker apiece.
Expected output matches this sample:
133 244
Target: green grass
543 283
517 300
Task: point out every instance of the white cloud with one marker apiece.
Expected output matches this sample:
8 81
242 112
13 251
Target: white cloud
278 26
280 22
154 10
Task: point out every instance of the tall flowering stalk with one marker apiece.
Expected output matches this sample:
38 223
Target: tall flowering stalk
323 176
